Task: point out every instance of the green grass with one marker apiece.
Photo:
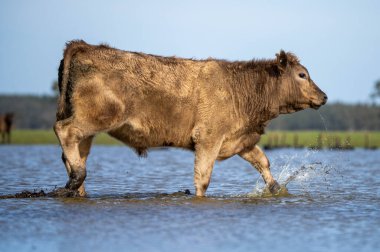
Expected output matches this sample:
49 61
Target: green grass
273 138
33 137
48 137
325 139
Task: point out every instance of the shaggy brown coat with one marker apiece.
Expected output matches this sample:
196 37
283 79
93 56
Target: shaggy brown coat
217 108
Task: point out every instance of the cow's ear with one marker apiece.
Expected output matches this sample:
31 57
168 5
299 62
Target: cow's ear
282 60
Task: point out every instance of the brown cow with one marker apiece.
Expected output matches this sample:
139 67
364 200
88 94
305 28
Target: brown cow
214 107
6 122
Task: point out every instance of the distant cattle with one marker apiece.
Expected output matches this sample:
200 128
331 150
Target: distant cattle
6 122
215 108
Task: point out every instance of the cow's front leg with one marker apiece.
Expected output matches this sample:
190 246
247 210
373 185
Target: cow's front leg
205 156
260 161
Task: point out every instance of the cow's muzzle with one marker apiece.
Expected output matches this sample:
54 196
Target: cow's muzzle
320 102
325 98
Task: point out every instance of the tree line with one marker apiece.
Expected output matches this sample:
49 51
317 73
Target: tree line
38 112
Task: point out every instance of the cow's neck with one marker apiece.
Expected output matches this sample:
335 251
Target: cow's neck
257 94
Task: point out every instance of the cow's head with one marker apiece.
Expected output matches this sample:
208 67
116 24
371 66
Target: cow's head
297 90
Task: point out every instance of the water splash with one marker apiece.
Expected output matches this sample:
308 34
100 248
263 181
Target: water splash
303 177
262 191
306 172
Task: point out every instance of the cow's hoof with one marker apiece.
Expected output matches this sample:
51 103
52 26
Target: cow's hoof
82 191
73 184
76 180
274 188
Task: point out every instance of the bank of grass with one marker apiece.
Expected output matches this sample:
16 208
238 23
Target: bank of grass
319 139
48 137
322 139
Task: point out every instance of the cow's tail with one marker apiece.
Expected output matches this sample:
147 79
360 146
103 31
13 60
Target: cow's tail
65 85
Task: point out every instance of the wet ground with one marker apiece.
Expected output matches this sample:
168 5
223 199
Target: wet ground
141 204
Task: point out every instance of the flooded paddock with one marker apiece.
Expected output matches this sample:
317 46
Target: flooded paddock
141 204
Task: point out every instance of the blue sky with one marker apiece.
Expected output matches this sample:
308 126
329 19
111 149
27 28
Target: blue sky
338 41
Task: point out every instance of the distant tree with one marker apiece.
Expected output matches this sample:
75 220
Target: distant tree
55 88
376 92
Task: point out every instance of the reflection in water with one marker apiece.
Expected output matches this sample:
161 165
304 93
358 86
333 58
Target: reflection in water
142 204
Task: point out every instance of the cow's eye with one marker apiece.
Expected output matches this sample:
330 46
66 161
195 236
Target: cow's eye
302 75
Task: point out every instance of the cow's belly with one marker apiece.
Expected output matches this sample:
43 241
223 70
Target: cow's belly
236 145
141 136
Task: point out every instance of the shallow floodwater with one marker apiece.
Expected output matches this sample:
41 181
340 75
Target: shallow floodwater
134 204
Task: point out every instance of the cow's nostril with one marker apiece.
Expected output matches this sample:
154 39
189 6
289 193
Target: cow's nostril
324 100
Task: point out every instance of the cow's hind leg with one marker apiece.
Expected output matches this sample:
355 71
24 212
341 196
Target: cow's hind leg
260 161
70 136
84 151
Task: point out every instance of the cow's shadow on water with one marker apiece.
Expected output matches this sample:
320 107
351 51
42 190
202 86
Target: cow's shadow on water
182 194
67 193
56 193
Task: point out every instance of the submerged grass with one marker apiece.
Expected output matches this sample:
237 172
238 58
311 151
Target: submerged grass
272 139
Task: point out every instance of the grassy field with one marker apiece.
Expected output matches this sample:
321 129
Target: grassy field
48 137
272 139
322 139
